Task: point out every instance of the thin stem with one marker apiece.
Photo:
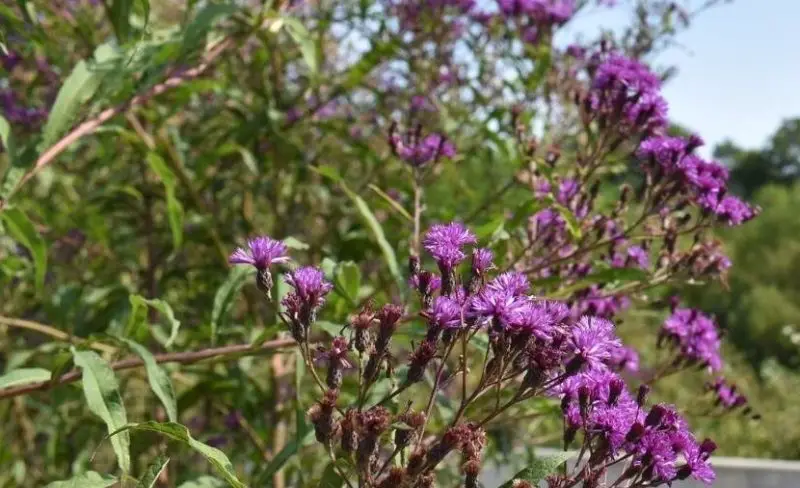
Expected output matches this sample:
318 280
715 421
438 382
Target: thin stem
179 357
336 466
52 332
463 366
435 388
388 461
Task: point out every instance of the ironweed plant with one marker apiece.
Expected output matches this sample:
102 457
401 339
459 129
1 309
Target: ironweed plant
532 185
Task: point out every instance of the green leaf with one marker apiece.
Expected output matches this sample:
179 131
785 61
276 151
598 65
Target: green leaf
573 226
22 230
203 482
175 211
289 450
90 479
379 52
153 471
369 219
392 202
329 172
78 88
180 433
119 13
7 138
303 39
157 377
24 376
103 399
539 470
329 327
330 478
296 244
223 299
16 166
348 280
202 23
139 303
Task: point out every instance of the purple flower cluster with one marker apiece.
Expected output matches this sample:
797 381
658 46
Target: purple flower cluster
659 443
445 243
16 110
414 14
626 95
419 151
726 395
542 12
695 337
679 171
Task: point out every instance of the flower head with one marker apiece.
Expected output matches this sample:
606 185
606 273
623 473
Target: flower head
482 260
261 252
445 313
695 335
445 242
592 341
309 285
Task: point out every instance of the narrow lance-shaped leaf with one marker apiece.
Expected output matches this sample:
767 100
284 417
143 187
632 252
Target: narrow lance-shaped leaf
539 469
90 479
22 230
157 378
103 399
24 376
153 471
174 208
223 299
138 303
181 434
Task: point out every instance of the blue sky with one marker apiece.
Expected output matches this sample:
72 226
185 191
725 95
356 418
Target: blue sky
739 69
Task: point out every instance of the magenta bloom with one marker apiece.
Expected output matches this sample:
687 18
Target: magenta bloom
695 336
445 242
262 252
511 283
624 358
482 260
445 313
592 341
309 285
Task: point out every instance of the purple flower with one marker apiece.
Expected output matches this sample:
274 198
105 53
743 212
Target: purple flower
336 355
444 243
732 210
445 313
511 283
419 151
534 318
498 305
482 260
309 285
567 190
624 90
624 358
262 252
695 336
726 394
639 257
592 341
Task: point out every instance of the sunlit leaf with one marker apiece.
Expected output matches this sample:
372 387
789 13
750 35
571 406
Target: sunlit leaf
157 378
22 230
180 433
24 376
103 399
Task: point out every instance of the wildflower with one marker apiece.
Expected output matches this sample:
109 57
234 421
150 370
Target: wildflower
445 314
481 261
418 151
337 360
262 252
592 341
726 394
302 304
696 337
624 358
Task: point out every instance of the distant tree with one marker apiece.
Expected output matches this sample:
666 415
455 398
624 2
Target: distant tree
777 163
762 299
